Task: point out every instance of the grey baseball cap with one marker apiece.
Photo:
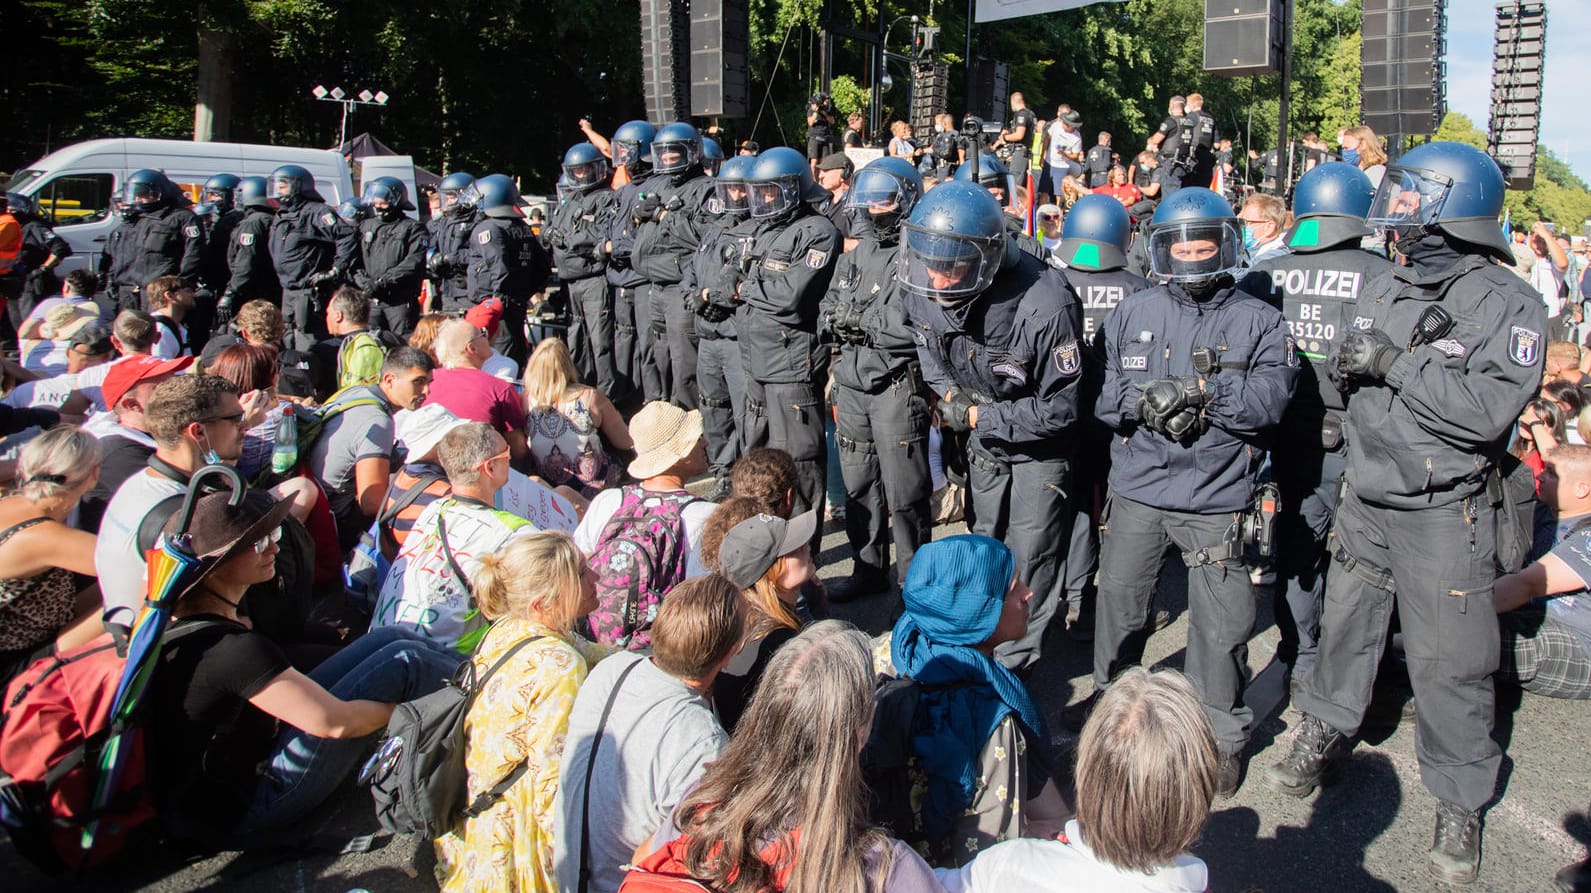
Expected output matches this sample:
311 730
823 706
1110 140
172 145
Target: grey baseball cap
752 546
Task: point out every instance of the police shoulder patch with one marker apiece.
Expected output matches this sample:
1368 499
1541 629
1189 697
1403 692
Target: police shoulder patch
329 218
816 259
245 238
483 236
191 232
1524 346
1363 323
1068 358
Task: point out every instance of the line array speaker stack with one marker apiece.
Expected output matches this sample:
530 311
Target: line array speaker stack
930 95
989 89
1402 84
720 40
1516 89
1243 37
666 59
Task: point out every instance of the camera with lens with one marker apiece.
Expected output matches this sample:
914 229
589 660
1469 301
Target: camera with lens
820 102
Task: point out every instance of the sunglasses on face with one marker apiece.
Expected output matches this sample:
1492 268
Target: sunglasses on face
235 418
265 542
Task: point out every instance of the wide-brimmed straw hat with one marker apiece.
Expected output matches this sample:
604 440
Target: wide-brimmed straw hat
663 434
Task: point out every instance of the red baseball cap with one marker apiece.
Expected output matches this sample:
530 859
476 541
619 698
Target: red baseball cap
485 315
126 373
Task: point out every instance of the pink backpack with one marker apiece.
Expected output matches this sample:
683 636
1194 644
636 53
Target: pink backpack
640 556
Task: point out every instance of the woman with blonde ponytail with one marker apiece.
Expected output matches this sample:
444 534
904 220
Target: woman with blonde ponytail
532 590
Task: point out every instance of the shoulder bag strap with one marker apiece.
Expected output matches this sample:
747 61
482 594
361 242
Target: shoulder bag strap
591 764
20 525
491 795
447 552
407 497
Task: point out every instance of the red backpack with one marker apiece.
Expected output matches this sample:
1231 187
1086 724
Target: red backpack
53 725
664 871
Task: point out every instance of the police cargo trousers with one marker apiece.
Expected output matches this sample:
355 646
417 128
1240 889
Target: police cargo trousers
591 331
1028 506
626 348
721 378
651 348
397 317
1132 543
682 346
883 444
303 318
789 416
1308 478
1439 562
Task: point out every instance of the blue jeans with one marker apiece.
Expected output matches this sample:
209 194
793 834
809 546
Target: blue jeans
388 664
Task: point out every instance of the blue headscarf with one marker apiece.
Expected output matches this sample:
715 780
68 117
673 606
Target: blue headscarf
954 593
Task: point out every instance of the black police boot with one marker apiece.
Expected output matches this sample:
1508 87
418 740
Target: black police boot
863 581
1456 850
720 491
1313 761
1229 776
1574 878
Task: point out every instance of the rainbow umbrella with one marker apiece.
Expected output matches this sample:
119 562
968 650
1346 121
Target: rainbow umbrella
172 567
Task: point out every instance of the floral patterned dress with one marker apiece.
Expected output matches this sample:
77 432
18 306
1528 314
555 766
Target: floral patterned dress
567 446
520 716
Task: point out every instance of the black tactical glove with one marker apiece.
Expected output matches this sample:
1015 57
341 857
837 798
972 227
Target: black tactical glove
1186 425
1165 397
1366 354
846 323
619 260
646 208
953 411
223 311
323 277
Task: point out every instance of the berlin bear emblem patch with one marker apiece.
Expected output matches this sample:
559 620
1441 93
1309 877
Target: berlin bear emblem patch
1524 346
1068 359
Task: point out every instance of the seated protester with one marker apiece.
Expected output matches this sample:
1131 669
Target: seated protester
48 356
251 368
1541 430
655 732
240 743
39 599
768 559
1146 775
351 459
258 322
532 588
572 425
135 331
195 420
75 390
1545 609
769 476
125 441
976 732
422 480
470 393
428 589
792 817
425 331
352 354
657 513
77 288
1570 400
170 301
488 315
1119 188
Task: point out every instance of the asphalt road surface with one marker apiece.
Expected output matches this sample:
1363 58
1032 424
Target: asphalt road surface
1366 834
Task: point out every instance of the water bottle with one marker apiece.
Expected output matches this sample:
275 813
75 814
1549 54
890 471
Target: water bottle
284 454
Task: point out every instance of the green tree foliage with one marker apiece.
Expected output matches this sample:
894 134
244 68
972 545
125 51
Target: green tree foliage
1558 195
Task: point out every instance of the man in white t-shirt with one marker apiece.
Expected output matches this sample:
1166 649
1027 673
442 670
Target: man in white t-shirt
1546 277
170 300
1066 146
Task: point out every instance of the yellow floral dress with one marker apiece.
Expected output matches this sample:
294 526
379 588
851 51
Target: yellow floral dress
520 716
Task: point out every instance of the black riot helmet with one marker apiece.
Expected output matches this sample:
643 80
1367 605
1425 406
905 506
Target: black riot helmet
1095 235
585 167
1330 203
632 146
731 196
954 244
145 191
253 192
676 148
1195 240
391 193
781 182
217 195
882 195
20 206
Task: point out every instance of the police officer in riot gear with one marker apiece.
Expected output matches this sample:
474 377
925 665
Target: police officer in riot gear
29 276
250 275
158 236
671 217
507 261
1199 135
792 261
577 232
712 156
218 214
448 259
999 334
1438 359
1314 286
881 402
392 247
311 248
632 151
988 172
1093 250
1197 375
711 282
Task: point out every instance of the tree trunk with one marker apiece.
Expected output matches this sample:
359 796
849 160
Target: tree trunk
212 114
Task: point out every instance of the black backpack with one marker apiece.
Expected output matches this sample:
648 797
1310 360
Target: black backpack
417 777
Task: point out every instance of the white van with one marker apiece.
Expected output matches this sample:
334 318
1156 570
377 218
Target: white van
74 186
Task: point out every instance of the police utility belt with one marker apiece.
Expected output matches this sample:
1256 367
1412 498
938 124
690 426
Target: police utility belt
1254 528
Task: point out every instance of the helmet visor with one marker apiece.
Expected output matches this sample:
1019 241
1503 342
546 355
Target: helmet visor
141 194
589 174
946 267
284 187
470 196
377 192
770 198
626 152
1408 198
1185 252
673 157
733 196
875 192
218 196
